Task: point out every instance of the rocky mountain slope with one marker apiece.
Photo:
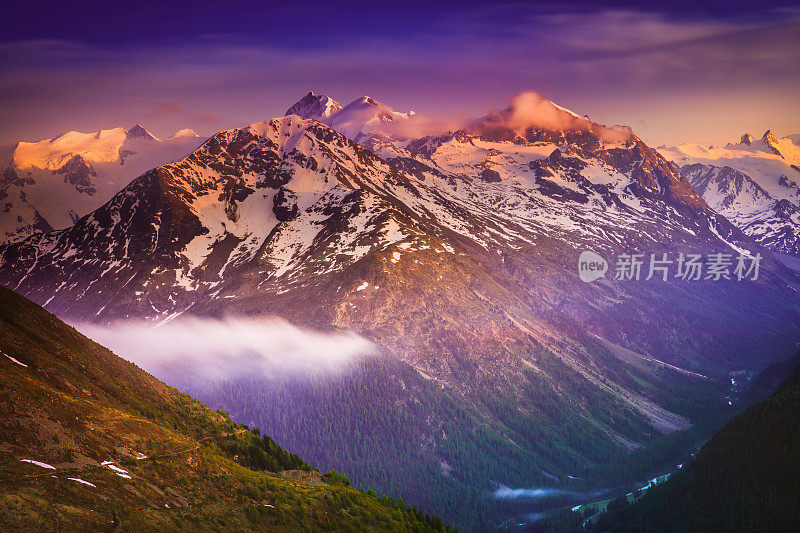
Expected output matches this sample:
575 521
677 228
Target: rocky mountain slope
90 442
49 184
753 183
457 254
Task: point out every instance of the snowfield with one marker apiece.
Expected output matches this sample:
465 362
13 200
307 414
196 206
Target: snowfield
754 183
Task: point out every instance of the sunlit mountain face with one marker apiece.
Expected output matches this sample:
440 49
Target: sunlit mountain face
51 183
481 287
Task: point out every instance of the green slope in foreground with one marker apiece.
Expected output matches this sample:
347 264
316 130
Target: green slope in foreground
130 453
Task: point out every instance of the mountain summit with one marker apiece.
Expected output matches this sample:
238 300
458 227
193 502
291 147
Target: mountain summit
357 120
138 133
320 107
184 133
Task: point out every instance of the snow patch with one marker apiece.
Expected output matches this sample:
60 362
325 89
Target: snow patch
38 463
79 480
15 361
121 472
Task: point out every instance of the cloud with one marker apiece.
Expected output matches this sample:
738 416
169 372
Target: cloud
411 126
172 110
163 109
535 517
529 110
420 125
208 117
507 493
224 349
614 134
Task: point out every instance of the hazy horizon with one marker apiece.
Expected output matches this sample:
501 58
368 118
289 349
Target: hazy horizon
674 73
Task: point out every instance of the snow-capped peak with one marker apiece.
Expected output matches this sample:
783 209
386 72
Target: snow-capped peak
753 183
72 174
366 116
364 100
317 107
139 133
98 146
103 146
363 116
784 148
184 133
571 112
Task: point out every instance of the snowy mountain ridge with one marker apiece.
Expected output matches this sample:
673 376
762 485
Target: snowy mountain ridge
753 183
51 183
359 119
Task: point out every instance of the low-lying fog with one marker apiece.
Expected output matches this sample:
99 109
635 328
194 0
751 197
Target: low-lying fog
230 348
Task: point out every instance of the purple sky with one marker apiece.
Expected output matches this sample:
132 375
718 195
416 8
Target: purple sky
676 73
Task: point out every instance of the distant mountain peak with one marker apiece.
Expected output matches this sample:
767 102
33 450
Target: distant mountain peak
769 138
317 107
746 182
139 133
362 117
94 166
184 133
367 100
772 143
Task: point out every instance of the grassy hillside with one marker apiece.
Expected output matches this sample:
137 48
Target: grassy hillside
746 478
119 450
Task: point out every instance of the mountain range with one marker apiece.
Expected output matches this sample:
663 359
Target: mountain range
456 253
50 184
754 183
